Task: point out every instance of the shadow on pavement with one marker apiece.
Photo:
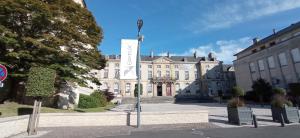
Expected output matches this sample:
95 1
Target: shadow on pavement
24 111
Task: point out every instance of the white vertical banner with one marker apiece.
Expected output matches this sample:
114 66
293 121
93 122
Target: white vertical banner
128 58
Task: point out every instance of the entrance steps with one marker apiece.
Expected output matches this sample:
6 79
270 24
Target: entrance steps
160 99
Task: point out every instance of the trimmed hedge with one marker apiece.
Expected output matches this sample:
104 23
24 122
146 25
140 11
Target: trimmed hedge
96 99
40 82
86 101
101 98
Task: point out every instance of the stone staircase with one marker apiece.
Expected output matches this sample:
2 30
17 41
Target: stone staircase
160 99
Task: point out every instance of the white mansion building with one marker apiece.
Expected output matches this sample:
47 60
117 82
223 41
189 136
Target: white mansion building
170 75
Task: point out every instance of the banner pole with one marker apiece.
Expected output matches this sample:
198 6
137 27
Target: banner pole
140 24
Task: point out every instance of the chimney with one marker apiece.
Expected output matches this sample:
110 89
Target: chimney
255 40
195 54
151 54
274 31
168 54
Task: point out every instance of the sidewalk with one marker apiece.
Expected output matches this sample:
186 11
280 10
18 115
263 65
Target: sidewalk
217 112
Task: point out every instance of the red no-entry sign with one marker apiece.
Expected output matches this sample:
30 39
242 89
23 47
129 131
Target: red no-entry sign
3 73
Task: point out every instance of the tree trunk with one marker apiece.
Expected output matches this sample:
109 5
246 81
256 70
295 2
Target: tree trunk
34 117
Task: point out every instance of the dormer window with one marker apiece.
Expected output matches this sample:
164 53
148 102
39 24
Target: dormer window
262 47
254 50
272 43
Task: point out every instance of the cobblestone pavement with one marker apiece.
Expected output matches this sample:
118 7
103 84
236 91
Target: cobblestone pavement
92 132
217 112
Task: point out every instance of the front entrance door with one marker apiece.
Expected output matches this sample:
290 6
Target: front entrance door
159 89
169 90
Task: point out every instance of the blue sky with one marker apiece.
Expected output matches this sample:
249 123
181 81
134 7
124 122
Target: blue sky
181 27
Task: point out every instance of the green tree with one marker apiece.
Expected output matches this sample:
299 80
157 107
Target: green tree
262 89
136 90
58 34
237 91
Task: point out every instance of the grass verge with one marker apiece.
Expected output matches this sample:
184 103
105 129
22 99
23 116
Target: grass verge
15 109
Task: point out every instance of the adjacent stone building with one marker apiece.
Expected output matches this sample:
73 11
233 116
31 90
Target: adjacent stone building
168 76
275 58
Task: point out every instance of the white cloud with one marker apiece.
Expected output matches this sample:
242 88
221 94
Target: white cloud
223 49
166 53
226 14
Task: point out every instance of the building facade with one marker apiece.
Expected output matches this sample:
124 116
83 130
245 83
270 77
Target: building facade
167 76
275 58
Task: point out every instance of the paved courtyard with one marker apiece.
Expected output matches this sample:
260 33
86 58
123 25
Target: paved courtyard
217 126
217 112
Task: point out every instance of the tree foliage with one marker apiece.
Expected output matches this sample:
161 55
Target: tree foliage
263 89
53 33
279 91
237 91
136 90
40 82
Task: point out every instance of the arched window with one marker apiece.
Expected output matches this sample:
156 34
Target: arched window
104 86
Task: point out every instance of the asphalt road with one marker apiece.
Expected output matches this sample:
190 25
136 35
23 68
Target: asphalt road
186 131
244 132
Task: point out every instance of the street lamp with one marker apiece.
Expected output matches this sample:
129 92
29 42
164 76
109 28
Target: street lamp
139 25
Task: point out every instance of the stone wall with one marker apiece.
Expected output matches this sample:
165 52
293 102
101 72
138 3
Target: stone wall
15 125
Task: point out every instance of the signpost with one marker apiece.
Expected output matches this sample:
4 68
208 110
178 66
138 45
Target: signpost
3 74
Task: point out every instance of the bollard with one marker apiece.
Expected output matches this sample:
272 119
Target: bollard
282 120
255 121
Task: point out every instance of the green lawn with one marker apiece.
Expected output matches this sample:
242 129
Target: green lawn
15 109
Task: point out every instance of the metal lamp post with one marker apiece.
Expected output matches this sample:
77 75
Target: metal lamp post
139 25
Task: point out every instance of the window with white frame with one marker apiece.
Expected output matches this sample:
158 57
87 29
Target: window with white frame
167 66
149 74
168 74
186 75
127 87
104 86
295 54
252 67
261 65
158 66
150 66
177 75
105 73
176 66
116 87
116 65
271 62
282 59
158 74
149 88
177 87
196 74
117 73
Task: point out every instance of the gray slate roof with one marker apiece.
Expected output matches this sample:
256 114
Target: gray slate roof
273 36
173 58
